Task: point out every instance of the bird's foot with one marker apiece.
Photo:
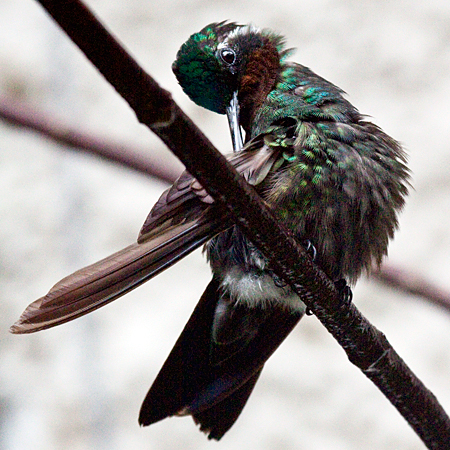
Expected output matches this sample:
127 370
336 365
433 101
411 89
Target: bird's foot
312 252
345 293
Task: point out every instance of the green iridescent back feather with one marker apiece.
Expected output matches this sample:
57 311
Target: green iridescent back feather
342 181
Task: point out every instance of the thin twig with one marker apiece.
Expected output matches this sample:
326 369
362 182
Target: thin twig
365 346
133 158
412 283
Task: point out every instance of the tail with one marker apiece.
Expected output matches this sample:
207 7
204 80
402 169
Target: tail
104 281
191 382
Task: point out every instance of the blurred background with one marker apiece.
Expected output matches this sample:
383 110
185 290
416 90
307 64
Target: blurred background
80 386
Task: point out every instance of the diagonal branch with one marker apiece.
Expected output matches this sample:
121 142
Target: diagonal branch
365 346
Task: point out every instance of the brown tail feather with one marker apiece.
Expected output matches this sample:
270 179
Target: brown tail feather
102 282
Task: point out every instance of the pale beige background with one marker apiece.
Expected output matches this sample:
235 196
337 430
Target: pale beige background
80 386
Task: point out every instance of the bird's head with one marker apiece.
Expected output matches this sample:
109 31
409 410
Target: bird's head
230 69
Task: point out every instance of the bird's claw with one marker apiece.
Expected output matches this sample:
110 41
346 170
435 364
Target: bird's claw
345 293
310 249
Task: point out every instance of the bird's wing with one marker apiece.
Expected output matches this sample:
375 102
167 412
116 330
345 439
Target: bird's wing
106 280
181 221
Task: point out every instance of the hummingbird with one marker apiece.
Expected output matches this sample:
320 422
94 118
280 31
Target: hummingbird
336 181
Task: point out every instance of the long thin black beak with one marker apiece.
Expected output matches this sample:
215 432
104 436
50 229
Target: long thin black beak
233 122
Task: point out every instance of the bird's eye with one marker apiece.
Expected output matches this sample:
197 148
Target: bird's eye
228 56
